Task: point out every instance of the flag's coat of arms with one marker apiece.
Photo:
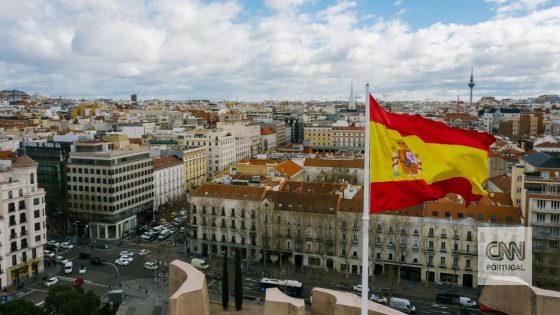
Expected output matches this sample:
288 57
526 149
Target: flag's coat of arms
408 161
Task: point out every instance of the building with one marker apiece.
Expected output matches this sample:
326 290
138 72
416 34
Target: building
319 137
23 220
332 170
169 182
52 158
110 187
296 125
134 98
221 148
242 149
280 130
524 125
348 138
268 139
535 181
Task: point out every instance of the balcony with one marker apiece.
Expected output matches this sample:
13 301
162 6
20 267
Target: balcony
12 222
443 235
465 252
442 265
12 236
468 268
430 234
430 249
443 250
13 249
456 237
415 248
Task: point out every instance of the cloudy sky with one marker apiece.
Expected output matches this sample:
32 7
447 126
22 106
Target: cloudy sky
285 49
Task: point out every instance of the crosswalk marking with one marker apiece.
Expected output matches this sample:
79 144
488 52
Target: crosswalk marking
85 281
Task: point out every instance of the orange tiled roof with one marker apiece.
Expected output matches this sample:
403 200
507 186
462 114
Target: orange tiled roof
24 161
357 163
219 191
165 162
487 209
267 131
304 202
502 181
289 168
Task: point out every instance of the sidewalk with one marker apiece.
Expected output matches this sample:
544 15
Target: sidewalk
144 297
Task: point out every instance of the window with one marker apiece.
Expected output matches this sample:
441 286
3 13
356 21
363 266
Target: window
540 217
37 226
431 245
442 260
553 244
455 262
555 204
554 218
36 201
541 204
468 263
390 256
431 232
415 243
443 245
469 236
10 195
36 214
32 179
21 192
14 260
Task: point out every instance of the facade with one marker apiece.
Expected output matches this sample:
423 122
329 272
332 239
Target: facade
110 187
351 170
268 139
348 138
319 137
280 129
221 148
523 125
243 129
195 160
242 149
296 125
169 182
538 176
23 220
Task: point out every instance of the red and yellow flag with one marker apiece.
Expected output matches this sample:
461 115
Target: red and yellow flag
414 159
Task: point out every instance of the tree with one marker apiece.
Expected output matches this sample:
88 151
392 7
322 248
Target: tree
238 280
69 300
225 284
21 307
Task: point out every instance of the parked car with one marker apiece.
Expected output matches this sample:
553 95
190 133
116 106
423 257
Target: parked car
51 281
97 261
342 287
68 265
446 298
378 298
66 245
54 243
127 258
199 264
146 236
153 237
121 262
358 288
127 253
466 302
60 260
403 305
150 265
82 269
144 252
84 256
48 254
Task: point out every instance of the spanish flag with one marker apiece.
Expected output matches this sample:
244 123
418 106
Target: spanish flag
414 159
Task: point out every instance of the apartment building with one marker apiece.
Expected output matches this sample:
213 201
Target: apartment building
110 187
221 148
319 137
244 129
536 182
195 160
334 169
349 138
169 182
23 220
281 131
268 139
242 149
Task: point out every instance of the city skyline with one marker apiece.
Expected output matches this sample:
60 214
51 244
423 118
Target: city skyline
285 50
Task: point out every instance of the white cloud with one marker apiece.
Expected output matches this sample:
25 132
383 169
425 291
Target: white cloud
192 49
283 5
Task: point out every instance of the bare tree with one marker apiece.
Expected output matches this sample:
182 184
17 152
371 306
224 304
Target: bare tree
400 224
345 240
427 247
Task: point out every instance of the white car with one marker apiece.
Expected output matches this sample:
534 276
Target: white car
60 260
146 236
66 245
144 252
121 262
82 270
127 258
357 288
54 243
150 265
51 281
378 298
48 254
127 253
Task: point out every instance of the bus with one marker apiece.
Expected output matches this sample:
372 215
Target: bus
291 288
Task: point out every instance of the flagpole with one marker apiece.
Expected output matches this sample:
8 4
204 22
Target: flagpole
365 215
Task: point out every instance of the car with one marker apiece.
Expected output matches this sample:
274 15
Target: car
84 256
146 236
97 261
182 229
127 253
402 305
465 302
342 287
150 265
127 258
82 269
446 298
48 254
54 243
51 281
121 262
213 275
357 288
144 252
60 260
66 245
68 267
378 298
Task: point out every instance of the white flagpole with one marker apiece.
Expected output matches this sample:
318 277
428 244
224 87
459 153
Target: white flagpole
365 215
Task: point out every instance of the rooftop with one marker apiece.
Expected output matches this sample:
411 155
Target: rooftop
165 162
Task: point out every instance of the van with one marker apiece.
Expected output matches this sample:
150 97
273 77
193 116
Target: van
68 267
199 264
403 305
164 234
466 302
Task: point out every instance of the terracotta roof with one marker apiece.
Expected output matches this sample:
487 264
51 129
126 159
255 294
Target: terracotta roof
165 162
267 131
461 116
230 192
311 187
349 128
288 168
355 204
304 202
357 163
7 154
487 209
259 162
503 182
24 161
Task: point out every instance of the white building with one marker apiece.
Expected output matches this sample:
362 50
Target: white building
23 221
169 182
221 148
242 149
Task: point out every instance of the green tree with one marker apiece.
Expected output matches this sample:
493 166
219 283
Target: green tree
225 284
69 300
21 307
238 280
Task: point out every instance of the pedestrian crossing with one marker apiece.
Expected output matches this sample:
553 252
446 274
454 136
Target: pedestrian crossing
85 281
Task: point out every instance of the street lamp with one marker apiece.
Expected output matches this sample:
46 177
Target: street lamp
117 269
